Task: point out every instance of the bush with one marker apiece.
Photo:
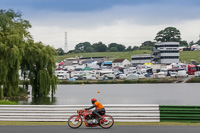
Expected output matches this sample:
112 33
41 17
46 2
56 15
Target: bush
6 102
194 80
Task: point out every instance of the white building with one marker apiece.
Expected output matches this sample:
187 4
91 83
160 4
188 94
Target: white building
166 53
121 63
140 59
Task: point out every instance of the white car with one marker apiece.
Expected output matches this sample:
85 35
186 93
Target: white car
141 76
159 75
173 74
122 76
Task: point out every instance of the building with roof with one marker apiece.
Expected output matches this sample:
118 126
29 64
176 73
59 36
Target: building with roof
121 63
141 59
85 60
163 53
106 64
70 61
166 53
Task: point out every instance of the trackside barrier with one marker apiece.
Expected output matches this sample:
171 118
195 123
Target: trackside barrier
172 113
120 113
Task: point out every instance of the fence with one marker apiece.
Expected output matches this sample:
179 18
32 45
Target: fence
179 113
121 113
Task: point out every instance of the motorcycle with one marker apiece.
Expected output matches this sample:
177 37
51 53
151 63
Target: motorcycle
75 121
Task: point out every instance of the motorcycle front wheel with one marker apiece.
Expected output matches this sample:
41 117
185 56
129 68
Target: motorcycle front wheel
108 123
75 121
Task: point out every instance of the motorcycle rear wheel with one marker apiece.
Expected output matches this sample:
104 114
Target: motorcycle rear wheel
108 124
73 123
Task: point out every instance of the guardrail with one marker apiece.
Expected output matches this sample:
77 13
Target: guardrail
121 113
173 113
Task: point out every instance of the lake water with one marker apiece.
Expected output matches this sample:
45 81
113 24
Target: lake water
163 94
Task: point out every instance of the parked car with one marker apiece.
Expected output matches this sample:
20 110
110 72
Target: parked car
109 76
118 75
173 74
100 78
159 75
197 74
122 76
78 77
132 76
141 76
182 73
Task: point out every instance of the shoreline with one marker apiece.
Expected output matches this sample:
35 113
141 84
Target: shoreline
118 81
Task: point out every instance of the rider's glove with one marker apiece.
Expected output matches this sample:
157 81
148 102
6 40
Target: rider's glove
86 108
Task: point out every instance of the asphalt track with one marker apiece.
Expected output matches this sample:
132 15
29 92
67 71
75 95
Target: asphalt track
114 129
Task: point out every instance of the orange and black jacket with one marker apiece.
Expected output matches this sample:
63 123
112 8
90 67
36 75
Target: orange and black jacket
97 106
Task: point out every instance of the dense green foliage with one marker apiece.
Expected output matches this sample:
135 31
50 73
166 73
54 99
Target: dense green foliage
147 45
98 47
169 34
13 35
59 51
40 64
17 49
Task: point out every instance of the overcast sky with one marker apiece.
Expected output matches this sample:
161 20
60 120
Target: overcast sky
128 22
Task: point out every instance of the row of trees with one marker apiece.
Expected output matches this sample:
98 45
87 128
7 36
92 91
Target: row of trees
169 34
19 51
98 47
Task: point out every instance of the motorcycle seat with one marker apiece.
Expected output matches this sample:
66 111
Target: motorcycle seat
102 113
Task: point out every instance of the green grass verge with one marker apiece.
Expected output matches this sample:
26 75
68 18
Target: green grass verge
194 80
111 55
185 56
116 123
6 102
188 56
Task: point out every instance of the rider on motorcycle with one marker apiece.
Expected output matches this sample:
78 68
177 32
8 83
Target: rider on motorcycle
99 108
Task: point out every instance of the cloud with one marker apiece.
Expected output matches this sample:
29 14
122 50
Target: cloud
129 22
141 14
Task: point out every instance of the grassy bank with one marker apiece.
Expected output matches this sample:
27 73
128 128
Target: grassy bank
185 56
6 102
118 81
116 123
188 56
111 55
194 80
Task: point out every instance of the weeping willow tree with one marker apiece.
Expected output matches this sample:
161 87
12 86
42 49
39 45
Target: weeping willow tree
18 51
41 65
13 36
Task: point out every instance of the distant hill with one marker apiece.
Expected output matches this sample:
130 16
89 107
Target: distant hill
186 56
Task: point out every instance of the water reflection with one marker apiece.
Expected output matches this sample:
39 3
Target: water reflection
163 94
43 101
37 101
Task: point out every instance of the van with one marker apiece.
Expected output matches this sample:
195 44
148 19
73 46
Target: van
182 73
